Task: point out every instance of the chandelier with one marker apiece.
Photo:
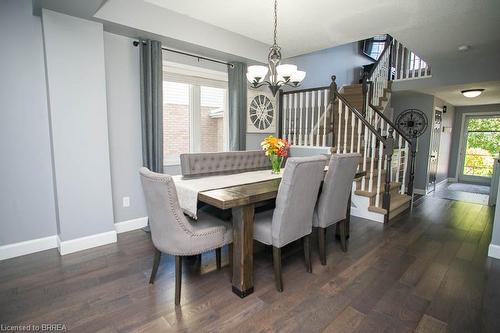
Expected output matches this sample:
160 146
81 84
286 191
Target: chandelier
279 75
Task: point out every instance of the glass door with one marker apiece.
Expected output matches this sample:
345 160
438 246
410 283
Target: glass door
481 144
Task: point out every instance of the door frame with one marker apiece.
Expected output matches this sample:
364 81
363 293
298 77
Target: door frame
461 146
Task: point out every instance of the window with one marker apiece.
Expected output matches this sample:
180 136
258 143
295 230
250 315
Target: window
373 47
194 115
416 63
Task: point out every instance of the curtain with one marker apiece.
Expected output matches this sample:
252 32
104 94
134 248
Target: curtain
152 104
237 89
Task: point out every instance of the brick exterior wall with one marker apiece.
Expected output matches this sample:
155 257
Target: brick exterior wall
211 131
176 131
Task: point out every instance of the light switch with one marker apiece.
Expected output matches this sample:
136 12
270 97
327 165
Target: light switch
126 201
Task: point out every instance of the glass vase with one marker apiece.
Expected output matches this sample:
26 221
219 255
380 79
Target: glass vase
276 163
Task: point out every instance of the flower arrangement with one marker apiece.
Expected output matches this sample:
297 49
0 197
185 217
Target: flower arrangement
276 149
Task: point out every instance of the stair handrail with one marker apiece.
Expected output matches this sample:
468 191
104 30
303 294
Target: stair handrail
367 87
334 94
387 48
383 116
387 142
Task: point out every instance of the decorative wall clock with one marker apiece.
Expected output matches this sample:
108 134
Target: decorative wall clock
412 123
261 113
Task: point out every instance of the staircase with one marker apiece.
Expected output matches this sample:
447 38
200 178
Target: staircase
356 118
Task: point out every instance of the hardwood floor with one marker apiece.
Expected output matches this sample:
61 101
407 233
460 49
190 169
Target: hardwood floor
427 271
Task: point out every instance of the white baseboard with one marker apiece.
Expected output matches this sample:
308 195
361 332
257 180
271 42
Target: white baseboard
74 245
444 181
27 247
84 243
130 225
494 251
419 191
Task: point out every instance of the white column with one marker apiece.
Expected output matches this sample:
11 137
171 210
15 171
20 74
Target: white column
306 133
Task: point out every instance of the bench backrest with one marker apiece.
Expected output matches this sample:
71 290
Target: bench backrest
203 164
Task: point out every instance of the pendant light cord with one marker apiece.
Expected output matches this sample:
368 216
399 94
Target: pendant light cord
275 19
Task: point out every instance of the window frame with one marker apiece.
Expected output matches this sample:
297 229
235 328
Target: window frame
196 77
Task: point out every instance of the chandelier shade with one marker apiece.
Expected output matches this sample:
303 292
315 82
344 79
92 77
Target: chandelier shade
279 74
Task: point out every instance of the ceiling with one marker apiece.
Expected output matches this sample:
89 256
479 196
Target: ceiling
452 94
242 30
433 28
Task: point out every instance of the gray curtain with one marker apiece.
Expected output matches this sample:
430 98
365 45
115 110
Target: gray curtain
152 105
237 87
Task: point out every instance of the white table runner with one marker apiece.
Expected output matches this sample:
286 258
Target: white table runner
188 188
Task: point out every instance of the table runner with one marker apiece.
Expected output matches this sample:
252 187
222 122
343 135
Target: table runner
188 188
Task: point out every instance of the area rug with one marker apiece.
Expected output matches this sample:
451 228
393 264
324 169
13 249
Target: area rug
471 188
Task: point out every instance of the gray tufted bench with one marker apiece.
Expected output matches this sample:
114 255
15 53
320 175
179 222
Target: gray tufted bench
205 164
210 164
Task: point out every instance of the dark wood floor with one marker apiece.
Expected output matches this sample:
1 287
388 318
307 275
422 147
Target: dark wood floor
426 271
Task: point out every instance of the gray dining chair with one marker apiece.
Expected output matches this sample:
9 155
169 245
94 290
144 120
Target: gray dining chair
331 207
292 218
175 234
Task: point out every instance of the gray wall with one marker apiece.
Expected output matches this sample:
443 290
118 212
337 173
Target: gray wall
26 187
124 125
74 50
446 140
344 61
401 101
457 124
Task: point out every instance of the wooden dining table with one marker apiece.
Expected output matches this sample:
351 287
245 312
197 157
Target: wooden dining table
241 200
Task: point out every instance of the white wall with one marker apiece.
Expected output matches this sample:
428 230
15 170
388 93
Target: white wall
494 248
124 120
26 187
74 51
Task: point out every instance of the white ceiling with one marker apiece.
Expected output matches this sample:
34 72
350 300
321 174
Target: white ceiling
433 28
453 95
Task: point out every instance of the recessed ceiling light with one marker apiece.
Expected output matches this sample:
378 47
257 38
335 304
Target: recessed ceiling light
463 48
471 93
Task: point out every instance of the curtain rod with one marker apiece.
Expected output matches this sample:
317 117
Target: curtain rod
136 43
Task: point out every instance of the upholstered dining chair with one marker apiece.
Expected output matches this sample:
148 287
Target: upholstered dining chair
292 218
331 207
173 233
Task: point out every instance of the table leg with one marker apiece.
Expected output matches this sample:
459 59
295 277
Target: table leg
347 222
243 250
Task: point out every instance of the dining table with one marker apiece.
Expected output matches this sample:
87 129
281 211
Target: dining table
241 200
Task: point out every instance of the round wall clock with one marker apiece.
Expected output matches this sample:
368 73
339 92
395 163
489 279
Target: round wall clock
412 123
261 113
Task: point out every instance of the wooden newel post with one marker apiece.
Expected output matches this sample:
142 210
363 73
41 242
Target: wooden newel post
388 151
365 92
333 98
333 89
390 44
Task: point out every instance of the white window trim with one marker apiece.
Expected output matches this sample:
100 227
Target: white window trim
193 71
461 146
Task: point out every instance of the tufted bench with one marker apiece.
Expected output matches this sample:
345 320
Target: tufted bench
204 164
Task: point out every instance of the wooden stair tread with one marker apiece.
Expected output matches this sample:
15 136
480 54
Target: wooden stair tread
393 186
375 174
396 202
